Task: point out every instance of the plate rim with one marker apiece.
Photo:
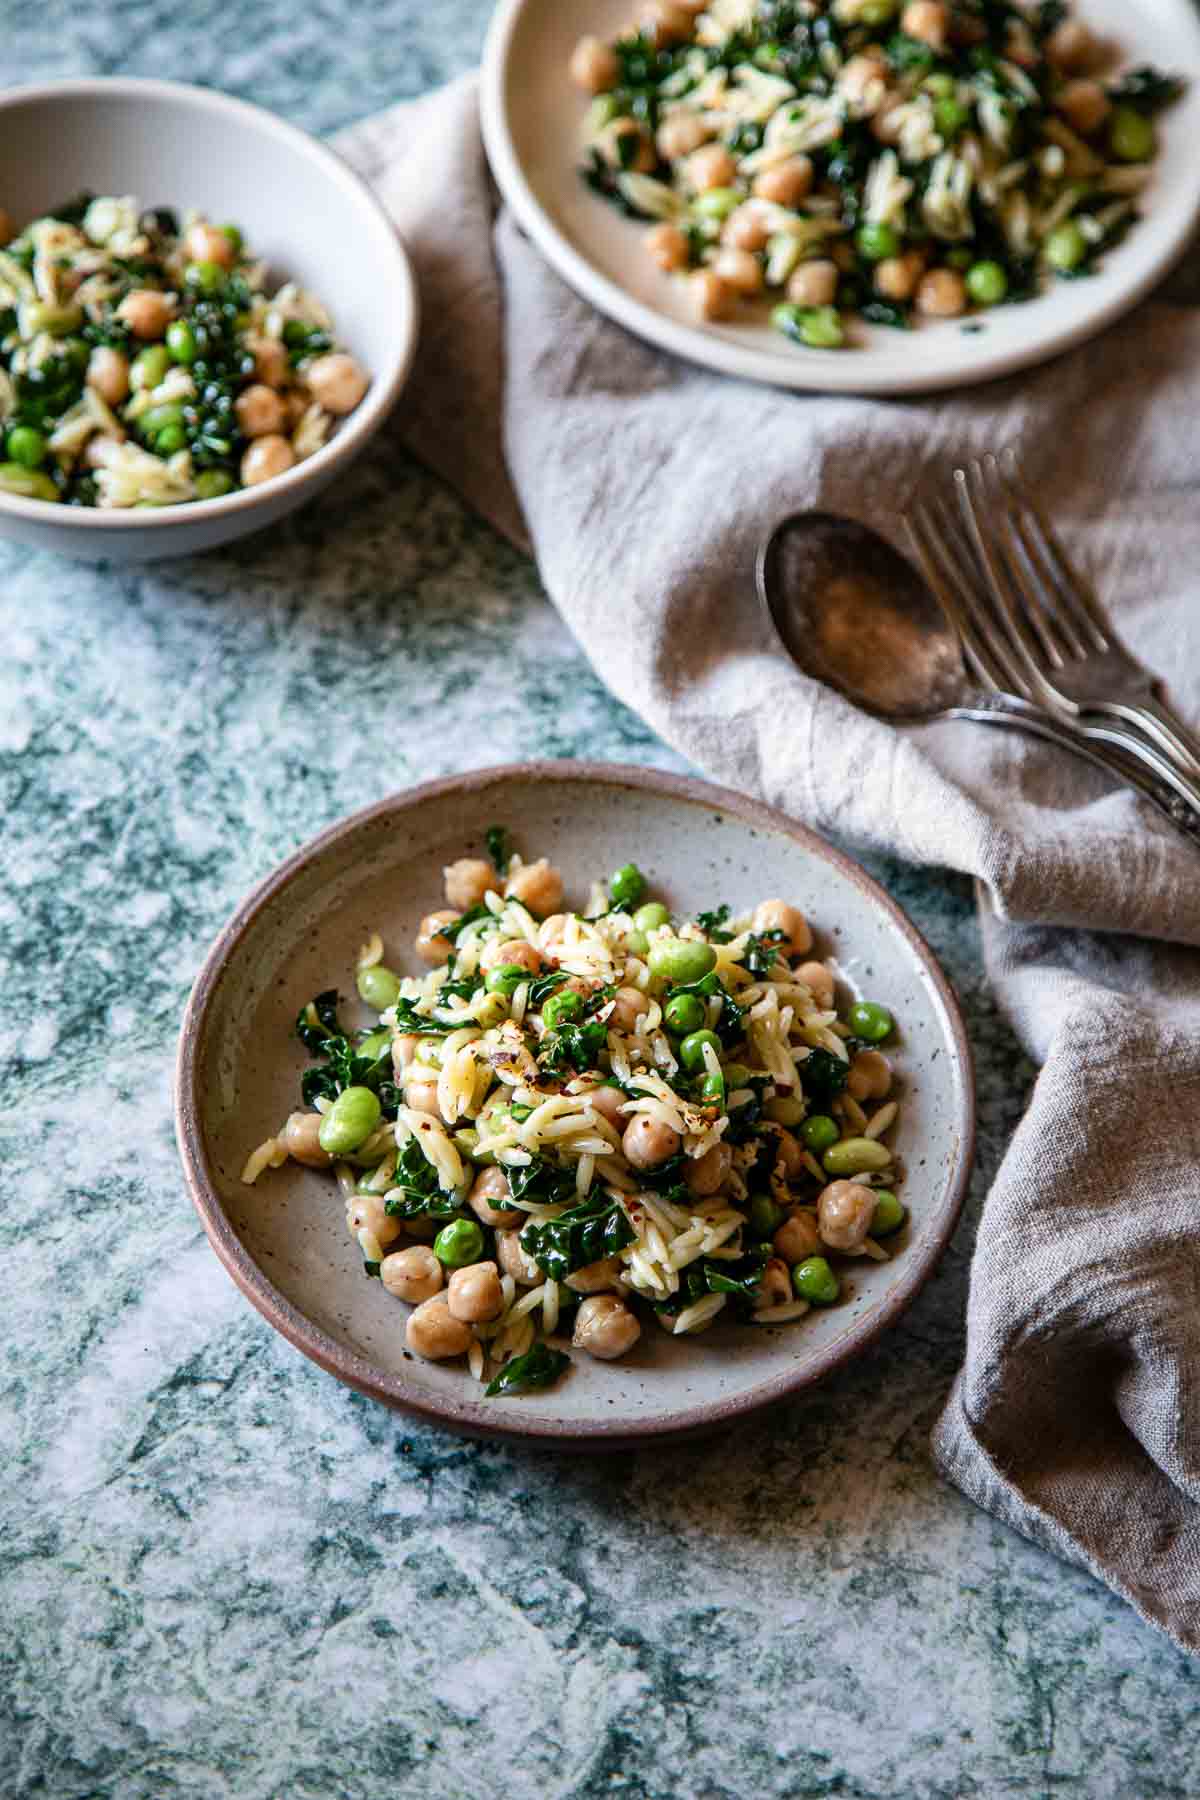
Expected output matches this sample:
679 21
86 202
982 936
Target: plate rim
759 365
470 1417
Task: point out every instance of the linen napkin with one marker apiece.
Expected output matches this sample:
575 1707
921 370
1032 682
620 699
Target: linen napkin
643 486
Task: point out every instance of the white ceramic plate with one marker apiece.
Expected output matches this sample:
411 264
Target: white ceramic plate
532 127
284 1240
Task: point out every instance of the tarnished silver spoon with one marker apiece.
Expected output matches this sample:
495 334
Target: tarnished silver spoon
855 614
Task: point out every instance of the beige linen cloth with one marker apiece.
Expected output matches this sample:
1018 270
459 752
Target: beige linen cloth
642 486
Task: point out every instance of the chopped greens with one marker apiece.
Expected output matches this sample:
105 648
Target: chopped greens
538 1368
588 1233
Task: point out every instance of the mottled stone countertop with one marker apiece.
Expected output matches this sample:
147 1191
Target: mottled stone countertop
222 1574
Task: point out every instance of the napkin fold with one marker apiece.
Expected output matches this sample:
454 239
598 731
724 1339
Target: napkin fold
643 486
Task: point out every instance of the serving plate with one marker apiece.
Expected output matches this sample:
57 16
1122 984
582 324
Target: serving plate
532 127
284 1240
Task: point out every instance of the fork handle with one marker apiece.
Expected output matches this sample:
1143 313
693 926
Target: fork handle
1162 727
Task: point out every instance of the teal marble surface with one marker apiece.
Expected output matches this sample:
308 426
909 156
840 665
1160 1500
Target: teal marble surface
221 1574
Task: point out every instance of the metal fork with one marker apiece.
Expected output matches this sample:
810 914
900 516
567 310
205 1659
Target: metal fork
1072 660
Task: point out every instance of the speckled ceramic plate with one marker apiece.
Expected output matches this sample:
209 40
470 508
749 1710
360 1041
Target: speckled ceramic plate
284 1240
532 125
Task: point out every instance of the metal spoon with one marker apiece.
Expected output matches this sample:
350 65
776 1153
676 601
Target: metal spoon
854 613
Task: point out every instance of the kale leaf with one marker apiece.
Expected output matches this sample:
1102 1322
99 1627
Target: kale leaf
822 1075
499 847
762 951
319 1021
572 1047
584 1234
737 1276
1146 90
417 1182
713 923
540 1182
538 1368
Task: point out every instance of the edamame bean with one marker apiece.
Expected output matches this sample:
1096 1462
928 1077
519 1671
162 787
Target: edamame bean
949 115
819 1132
684 1013
1065 248
817 326
889 1214
876 242
867 1019
375 1045
210 484
736 1075
681 959
506 979
1130 135
27 446
181 341
856 1156
28 484
651 916
170 439
987 283
637 943
815 1281
717 203
459 1243
765 1216
691 1051
562 1008
378 986
206 278
350 1121
627 885
157 418
149 367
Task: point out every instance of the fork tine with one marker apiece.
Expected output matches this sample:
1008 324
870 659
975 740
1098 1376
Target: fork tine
1010 624
930 540
1057 640
1042 546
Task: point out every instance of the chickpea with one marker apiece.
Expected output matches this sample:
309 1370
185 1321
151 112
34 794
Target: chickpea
7 229
941 294
789 1157
367 1212
926 20
554 929
515 1260
413 1275
513 953
739 270
665 23
433 1331
612 145
266 458
108 374
260 411
745 229
337 382
297 401
204 243
299 1138
596 1278
712 298
538 886
146 313
468 880
489 1187
813 283
629 1004
593 66
474 1293
775 1283
1070 46
818 979
667 247
271 363
680 134
863 82
711 167
707 1174
608 1101
1084 105
786 183
896 277
422 1096
870 1076
777 915
605 1327
797 1238
844 1213
431 946
648 1142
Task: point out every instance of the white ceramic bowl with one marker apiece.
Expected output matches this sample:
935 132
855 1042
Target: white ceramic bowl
533 129
302 209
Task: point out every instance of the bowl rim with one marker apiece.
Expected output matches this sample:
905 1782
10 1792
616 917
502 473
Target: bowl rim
384 390
471 1417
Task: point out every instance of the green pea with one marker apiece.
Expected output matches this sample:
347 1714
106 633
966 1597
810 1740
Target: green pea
949 116
375 1045
712 1089
1131 136
1065 248
987 283
681 959
27 446
205 277
505 979
211 484
459 1243
149 367
651 916
378 986
637 943
871 1021
27 484
736 1075
889 1214
181 341
627 885
170 439
157 418
235 239
819 327
876 242
684 1013
815 1281
765 1216
691 1051
717 203
819 1132
350 1121
562 1008
940 85
856 1156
